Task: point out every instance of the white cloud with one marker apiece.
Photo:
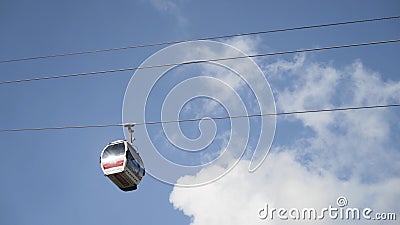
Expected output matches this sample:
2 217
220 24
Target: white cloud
171 7
163 5
281 182
231 70
347 153
343 138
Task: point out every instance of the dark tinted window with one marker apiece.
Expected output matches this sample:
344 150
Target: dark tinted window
114 150
136 166
141 171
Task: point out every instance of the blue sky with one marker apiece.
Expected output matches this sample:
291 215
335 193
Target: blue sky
54 176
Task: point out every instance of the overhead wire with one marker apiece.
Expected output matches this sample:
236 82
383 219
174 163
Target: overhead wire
199 61
200 39
198 119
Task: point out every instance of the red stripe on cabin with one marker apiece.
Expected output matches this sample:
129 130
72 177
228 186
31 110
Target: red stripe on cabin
113 164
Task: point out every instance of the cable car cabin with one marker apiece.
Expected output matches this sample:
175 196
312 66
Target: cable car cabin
122 164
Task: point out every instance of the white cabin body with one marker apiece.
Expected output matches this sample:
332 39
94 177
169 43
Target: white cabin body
122 164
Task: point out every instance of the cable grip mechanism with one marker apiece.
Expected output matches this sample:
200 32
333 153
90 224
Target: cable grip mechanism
130 130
